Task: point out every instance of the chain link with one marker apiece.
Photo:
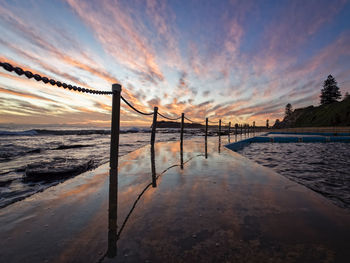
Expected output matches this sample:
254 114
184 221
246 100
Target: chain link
19 71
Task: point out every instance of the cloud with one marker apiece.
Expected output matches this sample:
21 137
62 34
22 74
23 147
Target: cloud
206 93
22 94
120 34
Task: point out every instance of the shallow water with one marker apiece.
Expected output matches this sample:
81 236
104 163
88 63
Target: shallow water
322 167
32 160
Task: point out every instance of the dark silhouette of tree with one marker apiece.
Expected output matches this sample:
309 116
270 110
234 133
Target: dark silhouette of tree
267 123
277 122
289 110
347 95
330 92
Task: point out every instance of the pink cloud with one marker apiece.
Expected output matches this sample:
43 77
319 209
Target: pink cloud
120 35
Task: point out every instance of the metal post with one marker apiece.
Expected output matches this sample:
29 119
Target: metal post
154 125
236 129
219 127
182 127
241 129
115 126
181 141
206 138
229 128
113 171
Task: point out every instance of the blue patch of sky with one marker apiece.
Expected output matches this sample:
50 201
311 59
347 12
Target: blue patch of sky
201 23
256 23
328 34
74 25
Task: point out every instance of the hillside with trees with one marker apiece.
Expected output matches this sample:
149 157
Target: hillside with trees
331 112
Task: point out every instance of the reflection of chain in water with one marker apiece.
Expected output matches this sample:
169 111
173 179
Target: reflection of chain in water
144 190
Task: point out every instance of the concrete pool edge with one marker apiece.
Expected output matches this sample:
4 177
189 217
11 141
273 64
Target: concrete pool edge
213 208
318 137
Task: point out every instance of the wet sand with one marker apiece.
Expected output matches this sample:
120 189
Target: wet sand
198 206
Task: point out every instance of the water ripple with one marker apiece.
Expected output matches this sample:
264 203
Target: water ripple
322 167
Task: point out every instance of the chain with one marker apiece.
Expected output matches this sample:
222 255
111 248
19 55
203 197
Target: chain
132 107
192 121
19 71
168 118
213 121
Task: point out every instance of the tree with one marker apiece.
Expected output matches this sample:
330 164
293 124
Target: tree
347 95
289 110
267 123
277 123
330 92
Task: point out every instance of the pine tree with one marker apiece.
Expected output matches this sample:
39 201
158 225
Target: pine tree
277 123
288 110
330 92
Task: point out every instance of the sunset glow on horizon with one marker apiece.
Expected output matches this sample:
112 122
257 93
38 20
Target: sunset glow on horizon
239 61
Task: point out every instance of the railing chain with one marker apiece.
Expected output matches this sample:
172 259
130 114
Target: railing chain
168 118
132 107
192 121
19 71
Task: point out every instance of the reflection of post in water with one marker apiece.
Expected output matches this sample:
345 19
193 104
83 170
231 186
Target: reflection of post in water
112 215
219 143
206 148
229 132
181 156
153 166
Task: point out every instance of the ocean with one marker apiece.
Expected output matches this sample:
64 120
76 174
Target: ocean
35 158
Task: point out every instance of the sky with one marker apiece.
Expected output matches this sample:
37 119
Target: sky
239 61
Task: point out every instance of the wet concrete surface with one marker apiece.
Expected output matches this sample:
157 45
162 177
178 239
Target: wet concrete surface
177 206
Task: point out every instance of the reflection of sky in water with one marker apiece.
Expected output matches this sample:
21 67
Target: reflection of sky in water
51 159
323 167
